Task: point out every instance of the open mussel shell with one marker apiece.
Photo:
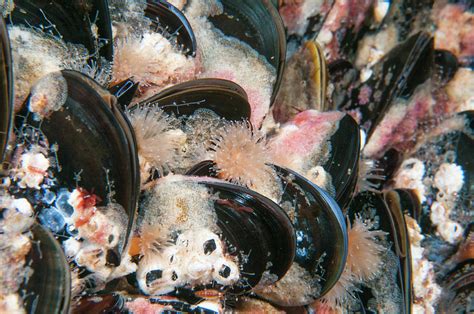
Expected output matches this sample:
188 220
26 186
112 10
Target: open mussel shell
343 163
307 64
6 89
389 213
258 24
397 75
316 218
96 141
71 20
165 16
319 222
257 227
49 287
227 99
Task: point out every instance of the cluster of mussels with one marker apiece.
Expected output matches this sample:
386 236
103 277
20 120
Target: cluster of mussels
252 155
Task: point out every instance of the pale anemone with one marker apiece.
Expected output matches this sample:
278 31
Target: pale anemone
158 139
370 176
363 263
364 252
240 154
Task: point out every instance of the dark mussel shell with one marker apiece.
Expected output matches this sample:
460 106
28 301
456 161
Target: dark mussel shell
317 218
465 153
446 66
391 220
95 140
408 202
307 63
256 231
408 15
341 73
124 92
6 90
165 15
397 75
258 24
71 20
320 222
256 226
343 164
227 99
49 288
460 286
459 280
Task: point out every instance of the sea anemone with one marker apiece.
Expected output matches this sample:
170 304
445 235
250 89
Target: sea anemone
158 139
151 239
240 154
362 264
369 175
341 293
363 256
152 60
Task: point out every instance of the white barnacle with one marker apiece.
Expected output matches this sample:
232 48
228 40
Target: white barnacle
449 178
198 257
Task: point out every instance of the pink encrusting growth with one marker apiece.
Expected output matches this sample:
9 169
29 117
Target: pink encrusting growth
303 138
455 29
402 123
240 154
296 13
